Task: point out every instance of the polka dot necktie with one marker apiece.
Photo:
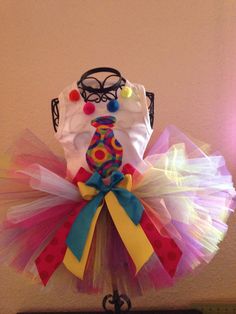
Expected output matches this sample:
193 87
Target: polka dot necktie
104 153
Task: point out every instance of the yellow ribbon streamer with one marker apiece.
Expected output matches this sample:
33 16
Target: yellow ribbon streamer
133 236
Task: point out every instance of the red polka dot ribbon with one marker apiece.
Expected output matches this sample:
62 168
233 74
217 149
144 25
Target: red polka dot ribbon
52 256
165 248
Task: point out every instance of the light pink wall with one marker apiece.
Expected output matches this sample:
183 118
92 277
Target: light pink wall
182 50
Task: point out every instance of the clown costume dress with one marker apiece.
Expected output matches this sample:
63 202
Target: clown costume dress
104 216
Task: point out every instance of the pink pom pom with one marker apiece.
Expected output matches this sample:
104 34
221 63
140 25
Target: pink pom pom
88 108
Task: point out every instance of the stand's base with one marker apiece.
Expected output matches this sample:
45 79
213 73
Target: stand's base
120 303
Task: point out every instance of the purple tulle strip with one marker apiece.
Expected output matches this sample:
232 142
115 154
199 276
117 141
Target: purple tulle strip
36 198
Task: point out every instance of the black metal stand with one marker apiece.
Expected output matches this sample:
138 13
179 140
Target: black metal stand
121 303
100 94
112 303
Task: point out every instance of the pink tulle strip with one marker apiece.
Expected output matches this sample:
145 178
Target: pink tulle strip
37 197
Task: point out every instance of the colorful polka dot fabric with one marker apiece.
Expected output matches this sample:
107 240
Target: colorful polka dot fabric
109 214
104 153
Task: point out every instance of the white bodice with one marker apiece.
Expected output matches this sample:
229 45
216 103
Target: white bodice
132 128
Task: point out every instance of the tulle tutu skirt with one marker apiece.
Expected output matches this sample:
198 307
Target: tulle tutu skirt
187 193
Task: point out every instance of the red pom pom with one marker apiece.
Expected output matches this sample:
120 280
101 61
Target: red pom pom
74 95
89 108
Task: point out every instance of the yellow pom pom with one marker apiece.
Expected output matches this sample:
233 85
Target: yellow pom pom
126 92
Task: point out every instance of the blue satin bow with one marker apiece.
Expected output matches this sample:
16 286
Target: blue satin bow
77 236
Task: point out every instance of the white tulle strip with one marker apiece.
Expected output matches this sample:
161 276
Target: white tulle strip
190 196
45 180
173 174
22 212
162 220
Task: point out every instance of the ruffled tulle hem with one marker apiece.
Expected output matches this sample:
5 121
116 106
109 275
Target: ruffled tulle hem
186 191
